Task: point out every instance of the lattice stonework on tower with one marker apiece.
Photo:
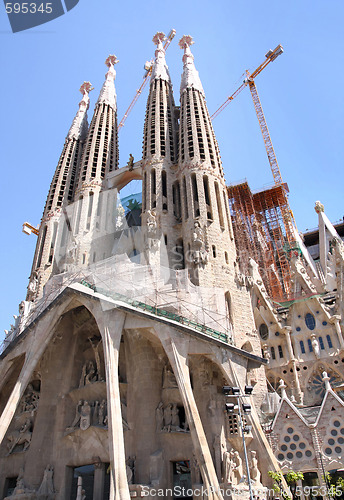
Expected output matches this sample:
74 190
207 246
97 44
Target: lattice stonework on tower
262 234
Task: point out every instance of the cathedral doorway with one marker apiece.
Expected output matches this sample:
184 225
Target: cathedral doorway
182 486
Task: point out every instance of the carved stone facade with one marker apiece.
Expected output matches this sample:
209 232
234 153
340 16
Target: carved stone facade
112 376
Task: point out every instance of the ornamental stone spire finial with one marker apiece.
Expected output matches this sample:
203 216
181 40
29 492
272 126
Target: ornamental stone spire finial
107 94
79 126
190 76
160 68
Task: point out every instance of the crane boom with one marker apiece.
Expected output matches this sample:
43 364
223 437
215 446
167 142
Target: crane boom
270 56
148 68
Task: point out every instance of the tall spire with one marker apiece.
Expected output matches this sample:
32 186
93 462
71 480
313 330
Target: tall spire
61 193
79 126
107 94
63 183
190 76
160 68
160 129
101 148
205 209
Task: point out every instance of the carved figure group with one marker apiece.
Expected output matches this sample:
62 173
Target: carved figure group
168 420
87 414
232 467
199 254
20 437
30 399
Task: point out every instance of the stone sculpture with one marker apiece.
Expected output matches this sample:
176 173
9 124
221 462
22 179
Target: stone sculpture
228 467
237 471
254 471
47 484
21 437
30 399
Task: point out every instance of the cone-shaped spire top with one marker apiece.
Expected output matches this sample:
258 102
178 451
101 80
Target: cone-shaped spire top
190 76
107 94
79 126
160 68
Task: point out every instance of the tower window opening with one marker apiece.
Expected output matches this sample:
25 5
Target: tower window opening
273 355
44 235
52 244
179 258
302 347
83 258
280 351
78 216
186 210
228 300
90 208
225 201
153 188
329 341
165 239
207 197
164 189
176 200
321 342
195 195
226 258
144 193
214 251
219 206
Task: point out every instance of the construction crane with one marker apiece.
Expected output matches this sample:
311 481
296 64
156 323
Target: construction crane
148 71
270 56
29 228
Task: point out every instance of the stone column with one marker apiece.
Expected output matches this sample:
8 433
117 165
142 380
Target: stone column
99 479
292 362
318 453
177 358
40 338
335 320
111 327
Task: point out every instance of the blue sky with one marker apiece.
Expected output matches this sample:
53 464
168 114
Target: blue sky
301 93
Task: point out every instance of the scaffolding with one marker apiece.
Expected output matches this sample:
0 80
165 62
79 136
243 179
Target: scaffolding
264 232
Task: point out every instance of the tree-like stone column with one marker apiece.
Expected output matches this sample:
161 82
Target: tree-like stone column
111 324
40 338
178 360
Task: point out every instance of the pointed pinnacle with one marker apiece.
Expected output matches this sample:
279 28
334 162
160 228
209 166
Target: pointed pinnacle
86 87
159 37
111 61
185 41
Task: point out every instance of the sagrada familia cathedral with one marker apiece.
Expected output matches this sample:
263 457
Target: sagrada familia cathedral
183 349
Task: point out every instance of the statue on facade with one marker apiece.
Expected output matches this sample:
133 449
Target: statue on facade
102 412
96 344
159 417
175 418
47 484
85 416
151 221
237 470
77 415
21 437
167 417
199 254
169 380
254 471
130 467
228 467
88 374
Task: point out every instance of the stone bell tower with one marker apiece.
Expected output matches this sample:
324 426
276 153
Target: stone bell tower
209 247
61 193
160 150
